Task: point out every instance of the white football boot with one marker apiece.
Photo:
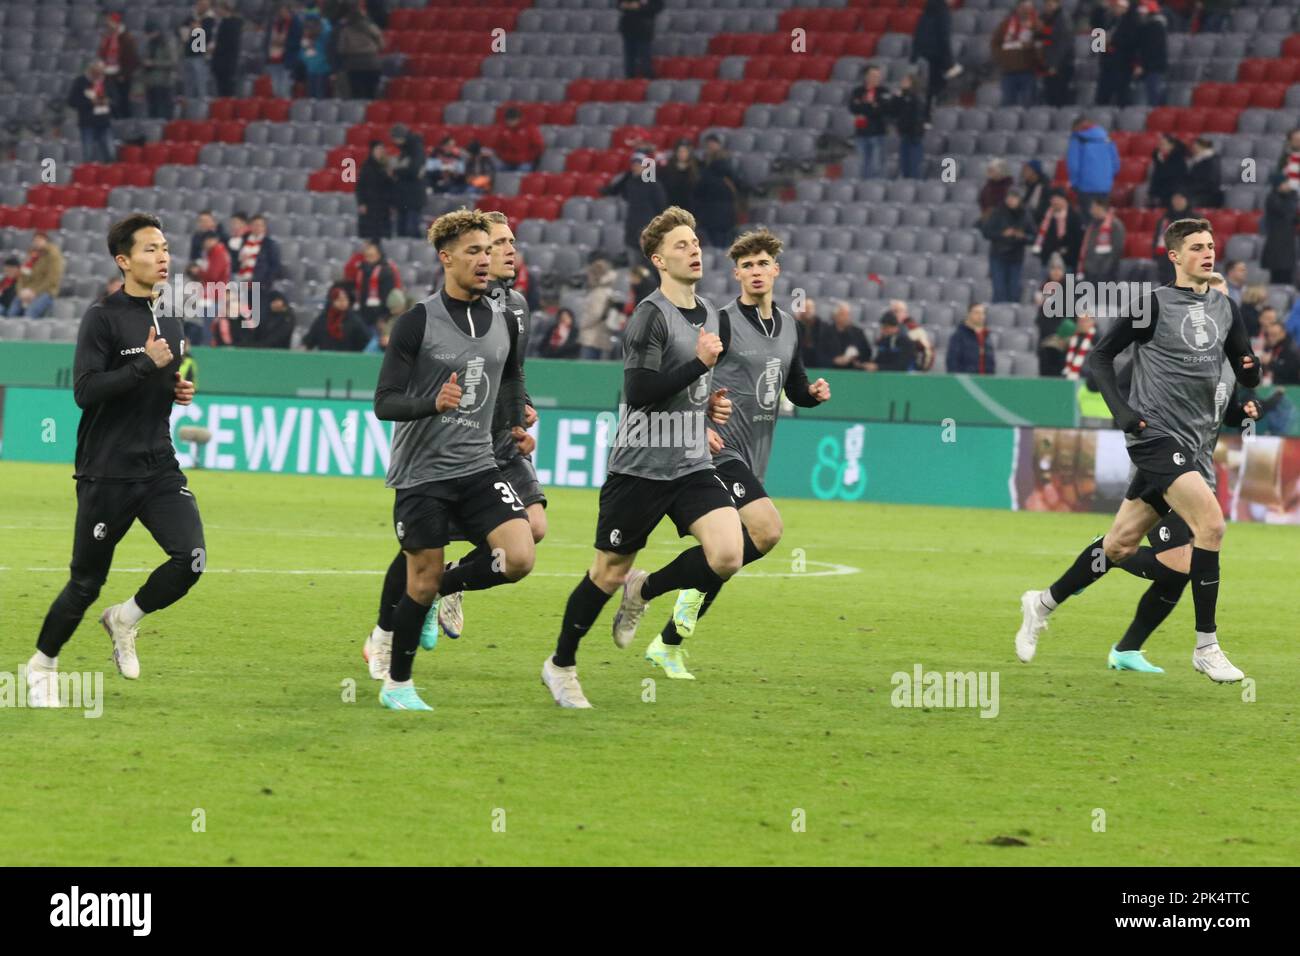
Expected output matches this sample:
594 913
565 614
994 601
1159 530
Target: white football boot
1033 622
123 637
42 684
1214 664
630 609
563 684
378 652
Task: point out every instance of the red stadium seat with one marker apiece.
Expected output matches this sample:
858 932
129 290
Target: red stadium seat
379 111
187 154
1291 46
275 111
231 131
248 109
221 109
1162 119
544 207
113 174
47 220
1136 245
1235 97
1268 96
861 44
1255 70
904 21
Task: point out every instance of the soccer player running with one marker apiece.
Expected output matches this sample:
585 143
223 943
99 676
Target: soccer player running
660 463
125 379
763 358
1181 336
446 358
511 446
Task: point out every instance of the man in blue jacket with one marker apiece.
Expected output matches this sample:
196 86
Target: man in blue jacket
970 349
1092 162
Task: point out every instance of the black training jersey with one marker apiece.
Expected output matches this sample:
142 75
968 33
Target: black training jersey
125 400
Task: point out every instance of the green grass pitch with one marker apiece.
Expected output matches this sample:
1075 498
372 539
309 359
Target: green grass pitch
786 750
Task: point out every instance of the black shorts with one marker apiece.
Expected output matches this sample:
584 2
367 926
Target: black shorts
1159 462
631 507
1170 533
740 481
521 474
477 504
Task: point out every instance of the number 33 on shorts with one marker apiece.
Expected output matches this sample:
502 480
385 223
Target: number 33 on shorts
509 495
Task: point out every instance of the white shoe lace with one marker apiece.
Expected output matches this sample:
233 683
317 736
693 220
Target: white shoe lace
570 689
1215 658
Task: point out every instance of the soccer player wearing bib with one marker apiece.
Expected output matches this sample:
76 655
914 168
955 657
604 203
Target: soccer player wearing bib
763 359
446 359
660 464
1181 335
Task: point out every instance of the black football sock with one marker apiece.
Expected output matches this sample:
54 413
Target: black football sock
1088 567
408 621
1143 564
468 556
751 553
580 613
391 593
476 575
1156 604
688 570
1205 588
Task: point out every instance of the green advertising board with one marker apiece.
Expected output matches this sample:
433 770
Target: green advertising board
817 458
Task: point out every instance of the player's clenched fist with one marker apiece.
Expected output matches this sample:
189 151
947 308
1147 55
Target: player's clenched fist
707 348
525 442
157 349
715 441
183 392
820 390
449 395
719 406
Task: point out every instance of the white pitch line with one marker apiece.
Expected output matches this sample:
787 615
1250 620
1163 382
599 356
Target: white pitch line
832 570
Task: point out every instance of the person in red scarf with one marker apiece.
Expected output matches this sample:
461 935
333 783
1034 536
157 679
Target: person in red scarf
121 59
283 50
1103 244
520 145
1081 343
376 277
970 350
1060 232
9 283
338 328
1015 51
88 95
212 268
870 106
562 339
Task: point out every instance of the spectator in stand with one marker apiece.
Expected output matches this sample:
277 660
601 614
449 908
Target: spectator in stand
997 183
1288 164
1008 230
226 50
1211 16
932 42
1253 302
908 111
376 280
526 283
396 303
1052 338
407 169
680 177
1056 51
1279 253
1204 176
445 168
1120 60
259 258
159 71
1103 244
204 223
283 50
274 329
1178 209
111 285
1168 170
236 233
895 350
9 283
811 332
480 168
338 328
561 339
869 104
1081 343
636 22
1234 280
121 59
642 281
716 195
1060 232
1035 189
601 314
645 200
211 267
359 46
315 57
39 278
970 350
923 348
375 195
1153 51
227 328
1092 162
196 36
1016 55
844 344
520 145
1280 359
89 97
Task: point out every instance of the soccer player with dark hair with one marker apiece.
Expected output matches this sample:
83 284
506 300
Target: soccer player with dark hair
762 360
660 463
447 358
1181 336
511 446
125 379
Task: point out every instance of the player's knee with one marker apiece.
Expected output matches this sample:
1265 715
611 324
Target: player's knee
1118 549
423 585
518 564
83 589
767 536
537 524
725 562
1209 532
